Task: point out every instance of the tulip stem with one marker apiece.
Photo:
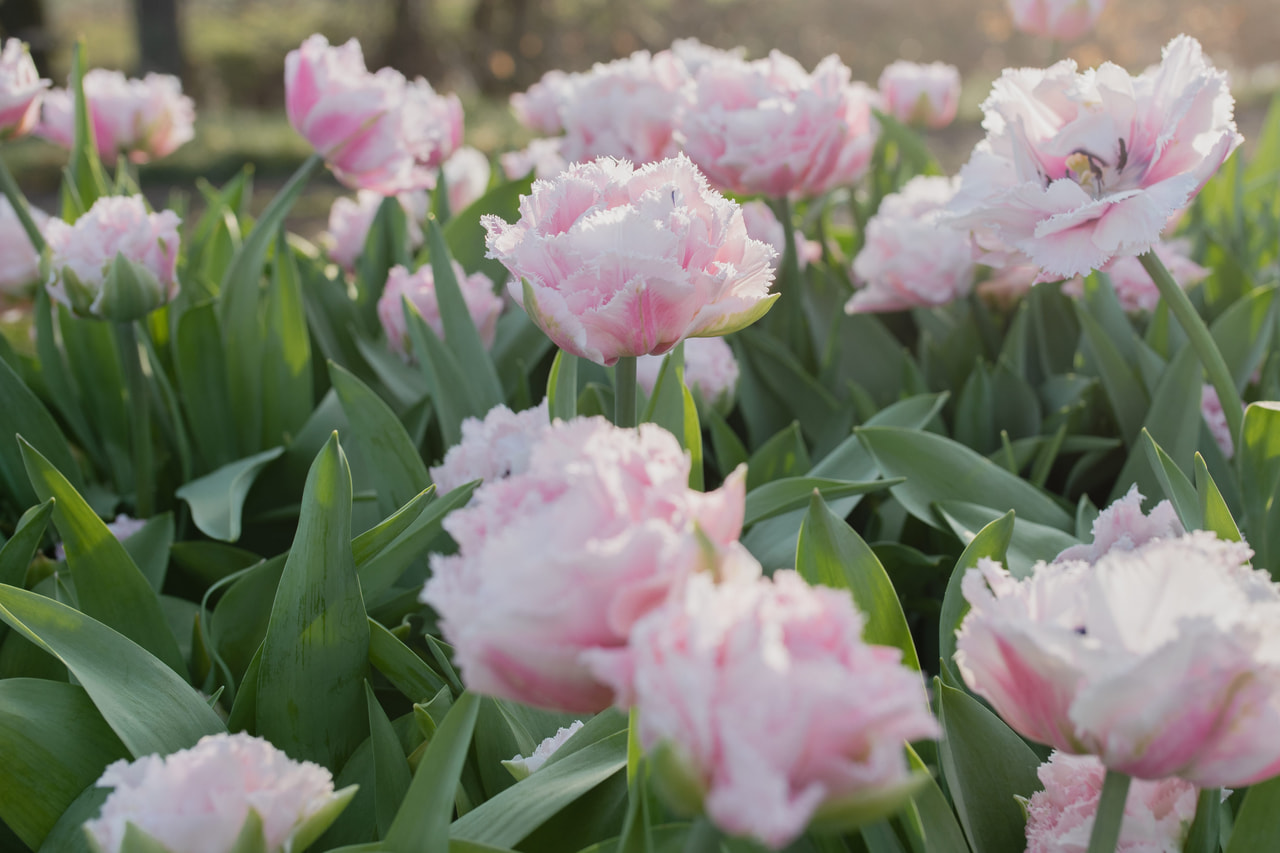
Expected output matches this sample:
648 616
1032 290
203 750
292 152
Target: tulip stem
624 392
19 202
1201 339
136 383
1106 825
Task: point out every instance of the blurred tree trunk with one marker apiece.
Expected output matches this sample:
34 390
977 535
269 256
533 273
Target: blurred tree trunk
407 47
159 36
24 19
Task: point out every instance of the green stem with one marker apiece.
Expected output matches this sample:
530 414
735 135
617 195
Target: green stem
1106 825
1210 357
19 202
136 383
789 269
624 392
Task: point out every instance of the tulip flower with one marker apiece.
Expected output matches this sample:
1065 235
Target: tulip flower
142 119
921 95
20 90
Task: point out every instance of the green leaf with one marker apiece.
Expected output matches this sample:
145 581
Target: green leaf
447 383
637 835
1173 421
725 444
692 439
402 667
789 493
987 765
84 168
992 542
562 386
149 547
385 568
373 541
22 413
831 553
666 404
1244 331
1031 542
942 834
391 770
286 351
1124 391
939 469
110 587
315 655
17 553
144 701
422 822
389 451
1177 488
783 455
1205 829
1259 461
202 380
53 744
217 499
465 234
1214 509
1256 827
68 835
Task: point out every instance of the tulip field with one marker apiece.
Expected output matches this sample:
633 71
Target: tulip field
714 474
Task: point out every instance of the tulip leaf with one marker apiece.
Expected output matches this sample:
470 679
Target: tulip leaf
145 702
1173 420
217 499
790 493
1217 517
465 233
666 405
562 387
987 765
149 546
992 542
1243 332
385 568
286 351
16 554
68 835
110 586
1124 390
831 553
84 168
409 673
692 439
942 833
1177 488
53 744
391 771
1256 827
202 381
373 541
22 413
1031 542
386 245
447 383
315 656
1259 460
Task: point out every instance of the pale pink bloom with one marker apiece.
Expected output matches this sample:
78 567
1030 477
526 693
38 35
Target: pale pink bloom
1157 813
539 108
419 288
1216 420
376 131
141 119
770 128
621 261
81 255
491 449
20 90
1123 527
196 800
466 174
911 257
1063 20
761 696
1162 661
696 55
122 528
19 260
764 226
1079 168
566 556
540 156
521 767
921 95
709 368
350 220
1133 285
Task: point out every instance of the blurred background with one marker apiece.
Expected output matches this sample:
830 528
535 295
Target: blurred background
230 54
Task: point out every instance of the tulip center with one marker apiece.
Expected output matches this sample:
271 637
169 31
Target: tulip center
1094 174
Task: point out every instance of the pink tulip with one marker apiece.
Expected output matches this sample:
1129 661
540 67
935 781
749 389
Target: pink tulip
1078 168
521 767
539 108
764 226
1162 661
1064 20
922 95
351 219
1216 420
709 369
142 119
492 449
419 288
542 157
695 55
20 90
19 260
1133 285
196 800
1157 813
566 556
769 127
762 701
613 261
466 174
1123 527
376 131
910 257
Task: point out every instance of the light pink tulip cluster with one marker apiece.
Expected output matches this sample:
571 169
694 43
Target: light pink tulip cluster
376 131
466 174
350 221
20 90
1122 526
419 288
1163 660
709 368
198 799
542 157
1157 813
921 95
19 260
1133 285
1063 20
613 261
911 257
1079 168
492 449
142 119
771 128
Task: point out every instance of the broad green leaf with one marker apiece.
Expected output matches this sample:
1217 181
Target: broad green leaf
68 835
17 553
217 499
202 379
725 444
149 548
942 833
403 381
422 822
637 835
447 383
286 351
1177 488
111 588
144 701
825 421
373 541
386 567
831 553
666 404
1212 507
1173 421
783 455
391 770
403 668
781 496
22 413
1031 542
53 744
1256 827
992 542
386 447
1259 461
939 469
1124 391
1244 331
315 656
459 328
562 386
987 766
386 244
